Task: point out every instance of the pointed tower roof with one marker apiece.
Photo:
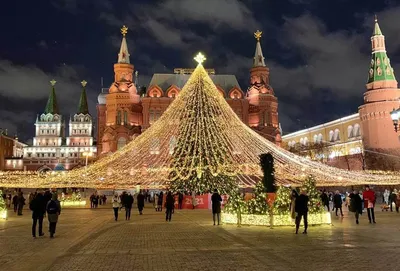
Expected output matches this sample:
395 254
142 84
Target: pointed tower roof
258 56
380 68
377 29
83 105
123 56
52 106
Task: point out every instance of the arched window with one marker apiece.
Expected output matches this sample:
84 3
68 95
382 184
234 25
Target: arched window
337 135
119 117
331 134
305 141
356 130
121 143
301 141
125 117
320 138
315 139
350 131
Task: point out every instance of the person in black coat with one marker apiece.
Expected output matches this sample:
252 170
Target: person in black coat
355 204
21 202
301 208
160 201
15 203
140 202
216 205
128 206
337 202
169 205
325 199
393 200
38 208
180 200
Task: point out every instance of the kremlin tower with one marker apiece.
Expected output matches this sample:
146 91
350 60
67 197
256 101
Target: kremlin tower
49 151
263 111
119 111
81 125
381 97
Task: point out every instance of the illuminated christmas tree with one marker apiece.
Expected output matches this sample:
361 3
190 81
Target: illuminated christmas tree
258 205
283 200
3 206
198 143
314 203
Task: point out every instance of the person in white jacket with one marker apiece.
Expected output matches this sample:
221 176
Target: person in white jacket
116 203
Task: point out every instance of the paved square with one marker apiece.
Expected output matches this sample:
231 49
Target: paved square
91 240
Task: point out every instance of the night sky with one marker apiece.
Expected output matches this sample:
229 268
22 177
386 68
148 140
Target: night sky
318 51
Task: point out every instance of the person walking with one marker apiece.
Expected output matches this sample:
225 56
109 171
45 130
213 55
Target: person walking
169 206
53 209
337 201
180 200
194 200
38 208
369 199
393 200
325 200
155 203
15 203
355 205
301 208
294 196
140 202
116 202
216 200
128 206
386 196
160 201
21 202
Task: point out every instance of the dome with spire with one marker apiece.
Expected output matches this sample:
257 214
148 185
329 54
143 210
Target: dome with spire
101 99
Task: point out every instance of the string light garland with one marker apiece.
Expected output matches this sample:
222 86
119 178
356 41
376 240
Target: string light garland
198 141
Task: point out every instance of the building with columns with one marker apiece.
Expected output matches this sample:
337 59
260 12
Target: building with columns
51 149
123 114
367 139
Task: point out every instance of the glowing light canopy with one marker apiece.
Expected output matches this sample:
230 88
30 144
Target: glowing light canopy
198 136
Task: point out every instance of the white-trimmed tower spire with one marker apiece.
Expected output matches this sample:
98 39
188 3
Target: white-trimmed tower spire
123 56
258 56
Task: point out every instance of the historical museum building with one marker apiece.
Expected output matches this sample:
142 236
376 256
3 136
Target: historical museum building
367 138
51 149
123 113
11 152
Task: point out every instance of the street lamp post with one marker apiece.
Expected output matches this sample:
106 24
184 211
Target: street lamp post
395 115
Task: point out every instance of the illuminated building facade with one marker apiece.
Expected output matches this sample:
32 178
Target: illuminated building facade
123 114
51 150
11 152
364 139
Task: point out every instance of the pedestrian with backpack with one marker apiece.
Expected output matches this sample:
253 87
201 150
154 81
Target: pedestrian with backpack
53 211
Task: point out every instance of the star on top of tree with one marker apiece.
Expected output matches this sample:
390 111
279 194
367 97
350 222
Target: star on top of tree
200 58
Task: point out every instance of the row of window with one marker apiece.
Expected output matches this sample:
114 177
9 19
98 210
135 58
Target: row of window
122 116
45 155
334 136
83 131
47 132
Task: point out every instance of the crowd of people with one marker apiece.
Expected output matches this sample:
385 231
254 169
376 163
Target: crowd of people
125 200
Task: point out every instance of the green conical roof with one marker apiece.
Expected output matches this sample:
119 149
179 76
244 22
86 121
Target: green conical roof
83 105
380 68
52 106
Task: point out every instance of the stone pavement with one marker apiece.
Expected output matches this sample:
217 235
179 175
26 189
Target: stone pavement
90 240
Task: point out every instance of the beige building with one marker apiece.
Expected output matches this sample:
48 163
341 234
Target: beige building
328 141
